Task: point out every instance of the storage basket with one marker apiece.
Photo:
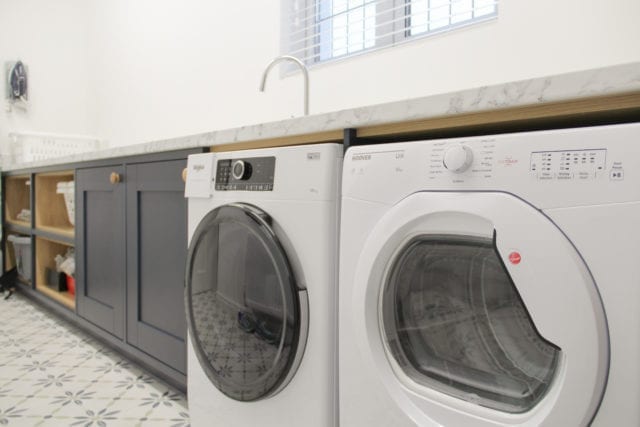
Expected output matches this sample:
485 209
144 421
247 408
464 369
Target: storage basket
22 251
67 189
33 147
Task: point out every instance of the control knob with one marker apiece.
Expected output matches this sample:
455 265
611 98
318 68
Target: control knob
241 170
458 158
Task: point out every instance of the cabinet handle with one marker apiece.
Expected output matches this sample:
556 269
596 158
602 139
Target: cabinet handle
184 174
114 178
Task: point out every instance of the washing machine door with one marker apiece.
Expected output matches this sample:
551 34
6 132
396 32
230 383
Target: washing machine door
479 311
246 316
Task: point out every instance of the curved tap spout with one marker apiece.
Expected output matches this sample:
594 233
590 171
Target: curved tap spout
305 74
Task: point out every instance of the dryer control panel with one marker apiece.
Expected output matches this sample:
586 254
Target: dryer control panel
552 168
562 165
246 174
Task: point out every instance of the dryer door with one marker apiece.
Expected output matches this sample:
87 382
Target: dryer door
480 309
246 316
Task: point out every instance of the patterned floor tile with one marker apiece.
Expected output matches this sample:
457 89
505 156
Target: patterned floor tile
132 409
14 416
52 374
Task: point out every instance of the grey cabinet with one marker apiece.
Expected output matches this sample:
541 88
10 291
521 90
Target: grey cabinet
156 257
100 254
131 254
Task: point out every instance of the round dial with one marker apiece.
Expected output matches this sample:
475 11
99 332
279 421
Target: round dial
458 158
241 170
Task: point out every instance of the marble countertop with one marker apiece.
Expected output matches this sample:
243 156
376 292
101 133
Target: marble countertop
576 85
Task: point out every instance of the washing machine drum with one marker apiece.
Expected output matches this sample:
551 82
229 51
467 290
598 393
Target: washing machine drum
244 309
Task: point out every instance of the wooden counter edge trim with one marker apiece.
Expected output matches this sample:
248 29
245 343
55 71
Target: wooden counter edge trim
310 138
600 104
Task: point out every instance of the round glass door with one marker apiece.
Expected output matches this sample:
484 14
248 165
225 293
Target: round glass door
458 324
243 307
471 306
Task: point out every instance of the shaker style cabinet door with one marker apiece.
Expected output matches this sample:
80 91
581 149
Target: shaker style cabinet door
156 255
100 254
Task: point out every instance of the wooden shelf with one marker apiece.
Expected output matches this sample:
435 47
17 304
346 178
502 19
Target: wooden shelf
64 298
17 197
283 141
20 225
46 250
68 232
50 208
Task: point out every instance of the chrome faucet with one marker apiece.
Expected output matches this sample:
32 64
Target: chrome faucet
305 73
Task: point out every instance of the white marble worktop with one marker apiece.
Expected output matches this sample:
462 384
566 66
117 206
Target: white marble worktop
576 85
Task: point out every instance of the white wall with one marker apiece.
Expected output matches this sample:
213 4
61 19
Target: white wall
176 67
163 69
179 67
51 39
529 39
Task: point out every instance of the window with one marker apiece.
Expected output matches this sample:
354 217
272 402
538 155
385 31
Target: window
322 30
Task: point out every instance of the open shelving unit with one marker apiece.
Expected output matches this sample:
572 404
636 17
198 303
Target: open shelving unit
16 198
10 259
9 256
49 227
53 230
46 251
51 212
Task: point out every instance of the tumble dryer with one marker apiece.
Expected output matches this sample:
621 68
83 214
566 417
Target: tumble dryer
261 286
492 280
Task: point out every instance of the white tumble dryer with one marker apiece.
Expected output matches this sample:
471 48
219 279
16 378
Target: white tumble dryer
492 280
261 286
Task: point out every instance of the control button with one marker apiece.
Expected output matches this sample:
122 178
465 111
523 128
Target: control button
241 170
458 158
616 174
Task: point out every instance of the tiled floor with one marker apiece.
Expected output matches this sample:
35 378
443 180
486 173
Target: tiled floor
53 374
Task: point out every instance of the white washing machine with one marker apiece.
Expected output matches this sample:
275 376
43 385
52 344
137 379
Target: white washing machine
261 286
492 280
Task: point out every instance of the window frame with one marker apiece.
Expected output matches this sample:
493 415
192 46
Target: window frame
395 29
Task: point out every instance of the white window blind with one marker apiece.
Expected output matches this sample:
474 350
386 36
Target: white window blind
321 30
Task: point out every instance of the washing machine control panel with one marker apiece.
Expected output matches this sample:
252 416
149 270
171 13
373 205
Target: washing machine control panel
246 174
458 158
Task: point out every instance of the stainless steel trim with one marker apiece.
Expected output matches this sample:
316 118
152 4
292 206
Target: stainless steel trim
233 169
305 74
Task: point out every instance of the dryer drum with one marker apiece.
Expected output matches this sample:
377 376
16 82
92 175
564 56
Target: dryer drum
455 322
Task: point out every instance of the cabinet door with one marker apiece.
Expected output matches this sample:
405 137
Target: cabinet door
101 247
157 249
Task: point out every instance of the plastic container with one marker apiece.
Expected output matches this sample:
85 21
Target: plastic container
71 285
67 189
33 147
55 280
22 251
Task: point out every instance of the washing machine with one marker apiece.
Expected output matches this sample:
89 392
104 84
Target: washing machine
261 286
492 281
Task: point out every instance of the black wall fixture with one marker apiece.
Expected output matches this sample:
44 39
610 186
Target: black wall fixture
18 82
